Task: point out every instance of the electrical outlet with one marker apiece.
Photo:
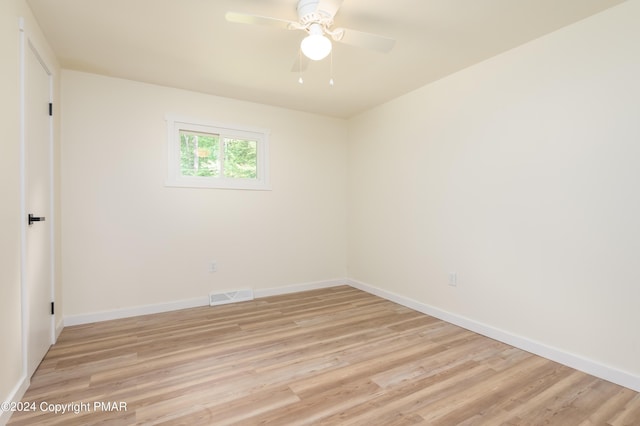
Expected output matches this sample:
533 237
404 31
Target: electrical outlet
453 279
213 266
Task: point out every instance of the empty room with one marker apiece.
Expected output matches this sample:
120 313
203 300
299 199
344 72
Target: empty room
305 212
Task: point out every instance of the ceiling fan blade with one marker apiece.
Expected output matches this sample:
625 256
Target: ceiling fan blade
245 18
366 40
329 6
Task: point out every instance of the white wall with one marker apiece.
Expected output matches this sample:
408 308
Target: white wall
522 175
12 381
130 241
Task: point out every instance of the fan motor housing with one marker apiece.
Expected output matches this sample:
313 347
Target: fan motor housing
308 13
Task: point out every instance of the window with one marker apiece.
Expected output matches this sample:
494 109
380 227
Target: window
207 155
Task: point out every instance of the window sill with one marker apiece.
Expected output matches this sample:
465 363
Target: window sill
237 184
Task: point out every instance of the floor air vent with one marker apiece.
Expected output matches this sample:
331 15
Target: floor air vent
230 297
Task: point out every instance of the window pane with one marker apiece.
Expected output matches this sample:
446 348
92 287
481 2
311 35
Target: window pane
240 158
199 154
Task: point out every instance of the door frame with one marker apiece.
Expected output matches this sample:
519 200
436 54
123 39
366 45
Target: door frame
27 43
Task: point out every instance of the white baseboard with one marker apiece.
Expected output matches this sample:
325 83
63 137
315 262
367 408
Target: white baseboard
588 366
59 327
190 303
135 311
15 396
299 287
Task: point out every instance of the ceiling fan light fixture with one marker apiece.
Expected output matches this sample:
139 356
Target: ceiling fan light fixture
315 46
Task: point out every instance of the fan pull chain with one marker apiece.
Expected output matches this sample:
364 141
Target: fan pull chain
331 68
300 80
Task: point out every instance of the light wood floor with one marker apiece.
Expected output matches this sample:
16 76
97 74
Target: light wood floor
336 356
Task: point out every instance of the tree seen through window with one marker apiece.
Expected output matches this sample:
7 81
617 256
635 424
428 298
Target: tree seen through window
202 154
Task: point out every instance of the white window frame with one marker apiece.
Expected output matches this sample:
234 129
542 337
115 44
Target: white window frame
175 179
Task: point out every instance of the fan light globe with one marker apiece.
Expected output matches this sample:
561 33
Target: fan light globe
316 46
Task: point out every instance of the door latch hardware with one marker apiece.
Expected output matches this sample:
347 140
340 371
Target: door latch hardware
33 218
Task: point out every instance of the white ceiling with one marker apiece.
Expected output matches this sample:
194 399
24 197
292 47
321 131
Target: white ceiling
188 44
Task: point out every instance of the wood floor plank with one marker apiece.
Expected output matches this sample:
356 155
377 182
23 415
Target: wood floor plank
335 356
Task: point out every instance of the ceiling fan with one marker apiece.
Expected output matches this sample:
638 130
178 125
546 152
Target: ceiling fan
315 17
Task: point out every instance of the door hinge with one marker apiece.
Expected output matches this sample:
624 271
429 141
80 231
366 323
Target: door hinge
50 109
53 311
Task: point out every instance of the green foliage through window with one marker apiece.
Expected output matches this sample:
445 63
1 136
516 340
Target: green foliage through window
201 155
240 158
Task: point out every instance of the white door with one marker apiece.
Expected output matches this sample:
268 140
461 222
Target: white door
37 193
